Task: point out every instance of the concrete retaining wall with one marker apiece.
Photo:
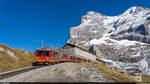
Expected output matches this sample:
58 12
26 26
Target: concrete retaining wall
85 54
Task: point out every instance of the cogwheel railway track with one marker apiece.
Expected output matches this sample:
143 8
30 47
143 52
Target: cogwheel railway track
16 72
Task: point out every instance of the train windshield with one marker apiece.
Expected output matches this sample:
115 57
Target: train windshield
40 53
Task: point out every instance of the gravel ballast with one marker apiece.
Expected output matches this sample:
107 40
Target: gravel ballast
64 72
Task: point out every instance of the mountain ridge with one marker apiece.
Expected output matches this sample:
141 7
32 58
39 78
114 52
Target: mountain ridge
123 37
116 24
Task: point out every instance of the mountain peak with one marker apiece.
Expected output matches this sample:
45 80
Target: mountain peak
91 13
115 36
135 9
132 21
90 17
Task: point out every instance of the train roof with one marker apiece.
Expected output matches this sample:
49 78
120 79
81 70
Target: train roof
48 49
81 47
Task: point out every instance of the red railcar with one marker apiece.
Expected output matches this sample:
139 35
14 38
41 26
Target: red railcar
43 56
49 56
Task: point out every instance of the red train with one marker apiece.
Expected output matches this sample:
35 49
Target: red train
46 56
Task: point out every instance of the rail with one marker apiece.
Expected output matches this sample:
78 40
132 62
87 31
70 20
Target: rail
16 72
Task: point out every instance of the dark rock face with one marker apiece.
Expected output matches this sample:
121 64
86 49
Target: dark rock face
141 33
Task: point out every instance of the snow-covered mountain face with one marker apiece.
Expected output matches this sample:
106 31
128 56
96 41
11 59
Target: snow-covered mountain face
133 24
125 37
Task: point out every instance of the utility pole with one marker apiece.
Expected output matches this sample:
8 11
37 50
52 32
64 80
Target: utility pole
42 43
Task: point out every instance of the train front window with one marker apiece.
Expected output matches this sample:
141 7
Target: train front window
47 53
40 53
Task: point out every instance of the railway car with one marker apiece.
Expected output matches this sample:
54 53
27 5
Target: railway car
47 56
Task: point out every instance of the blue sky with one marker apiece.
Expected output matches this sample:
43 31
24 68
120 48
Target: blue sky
24 23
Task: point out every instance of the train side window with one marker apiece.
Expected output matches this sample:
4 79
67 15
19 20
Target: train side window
84 59
55 54
78 58
40 53
47 53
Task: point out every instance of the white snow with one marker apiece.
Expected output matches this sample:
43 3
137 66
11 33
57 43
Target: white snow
148 25
74 36
126 42
148 72
2 49
133 17
114 42
93 31
97 41
143 65
85 22
109 22
83 41
106 60
136 55
113 64
10 53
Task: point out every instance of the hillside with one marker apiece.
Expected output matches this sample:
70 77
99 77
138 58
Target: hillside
11 59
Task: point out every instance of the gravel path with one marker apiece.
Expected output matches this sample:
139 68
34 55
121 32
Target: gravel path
64 72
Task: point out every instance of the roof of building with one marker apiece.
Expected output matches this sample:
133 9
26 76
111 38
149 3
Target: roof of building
81 47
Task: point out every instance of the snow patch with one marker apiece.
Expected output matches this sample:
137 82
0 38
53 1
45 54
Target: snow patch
109 22
114 42
97 41
148 71
136 55
111 63
74 36
143 65
93 31
10 53
126 42
148 25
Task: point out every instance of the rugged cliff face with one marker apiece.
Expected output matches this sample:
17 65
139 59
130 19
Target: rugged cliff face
124 38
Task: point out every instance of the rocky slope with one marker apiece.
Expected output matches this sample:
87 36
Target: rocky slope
125 37
11 59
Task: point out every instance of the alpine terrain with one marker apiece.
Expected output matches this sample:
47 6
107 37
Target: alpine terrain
12 58
123 38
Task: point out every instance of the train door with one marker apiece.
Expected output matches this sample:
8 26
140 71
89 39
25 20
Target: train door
49 55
